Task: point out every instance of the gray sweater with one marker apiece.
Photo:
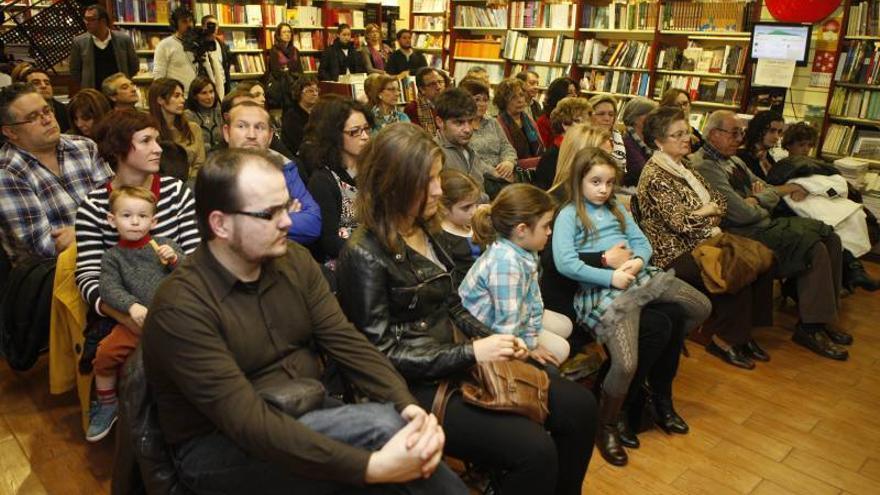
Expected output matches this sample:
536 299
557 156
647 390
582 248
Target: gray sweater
131 275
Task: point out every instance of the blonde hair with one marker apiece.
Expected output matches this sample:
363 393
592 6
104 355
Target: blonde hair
577 137
514 205
135 192
583 162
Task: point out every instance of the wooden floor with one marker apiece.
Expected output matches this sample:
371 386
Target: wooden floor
798 425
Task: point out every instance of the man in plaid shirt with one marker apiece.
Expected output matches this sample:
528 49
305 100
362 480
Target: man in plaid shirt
43 175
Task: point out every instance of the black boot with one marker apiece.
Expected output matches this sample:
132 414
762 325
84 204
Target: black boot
627 435
854 274
666 417
607 437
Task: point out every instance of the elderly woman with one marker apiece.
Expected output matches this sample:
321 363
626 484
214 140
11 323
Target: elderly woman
488 140
557 90
679 98
382 92
637 151
86 109
679 210
568 112
762 135
395 286
293 123
604 116
521 130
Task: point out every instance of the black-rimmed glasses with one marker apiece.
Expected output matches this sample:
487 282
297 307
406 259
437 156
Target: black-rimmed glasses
269 213
35 116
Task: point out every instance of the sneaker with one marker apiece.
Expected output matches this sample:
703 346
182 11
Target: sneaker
101 420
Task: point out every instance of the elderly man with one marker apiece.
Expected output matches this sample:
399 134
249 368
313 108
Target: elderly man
421 110
808 253
232 352
533 87
44 175
120 90
100 52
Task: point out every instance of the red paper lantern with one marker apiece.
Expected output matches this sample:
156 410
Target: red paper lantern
810 11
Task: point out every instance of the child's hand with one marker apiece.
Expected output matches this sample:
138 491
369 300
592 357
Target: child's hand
621 279
633 266
505 170
521 351
167 255
617 255
138 313
543 356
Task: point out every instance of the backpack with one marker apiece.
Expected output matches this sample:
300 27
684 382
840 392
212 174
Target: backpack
25 311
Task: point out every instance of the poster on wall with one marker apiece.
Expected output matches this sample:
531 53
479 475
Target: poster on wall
827 38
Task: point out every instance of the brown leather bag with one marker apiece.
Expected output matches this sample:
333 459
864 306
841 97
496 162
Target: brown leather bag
505 386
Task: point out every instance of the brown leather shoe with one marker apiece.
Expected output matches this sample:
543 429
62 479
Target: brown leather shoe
819 342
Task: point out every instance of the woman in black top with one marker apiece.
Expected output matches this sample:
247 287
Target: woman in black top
284 56
293 123
341 57
762 135
395 286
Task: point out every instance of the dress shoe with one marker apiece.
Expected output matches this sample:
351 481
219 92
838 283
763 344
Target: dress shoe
854 274
819 342
838 337
627 436
731 356
754 351
666 418
607 437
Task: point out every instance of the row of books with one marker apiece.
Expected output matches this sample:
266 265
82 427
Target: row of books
728 59
725 91
230 13
532 14
839 139
631 54
242 40
864 18
429 22
714 15
860 63
274 13
144 10
518 46
428 6
306 16
545 73
468 16
250 63
352 17
855 103
490 49
307 40
618 81
427 40
621 14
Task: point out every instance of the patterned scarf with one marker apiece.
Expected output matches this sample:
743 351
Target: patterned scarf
528 128
426 115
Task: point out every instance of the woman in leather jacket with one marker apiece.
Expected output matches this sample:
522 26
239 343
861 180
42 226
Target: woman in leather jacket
395 286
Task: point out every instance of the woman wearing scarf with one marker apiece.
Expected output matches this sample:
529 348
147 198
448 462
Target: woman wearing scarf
521 130
375 52
284 56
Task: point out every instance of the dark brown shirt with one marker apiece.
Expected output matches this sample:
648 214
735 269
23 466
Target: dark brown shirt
212 342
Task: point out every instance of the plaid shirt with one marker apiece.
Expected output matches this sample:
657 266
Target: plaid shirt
501 290
34 201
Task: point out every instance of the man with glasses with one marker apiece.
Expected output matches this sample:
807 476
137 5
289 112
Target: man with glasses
44 175
808 252
39 79
233 353
430 84
248 127
99 52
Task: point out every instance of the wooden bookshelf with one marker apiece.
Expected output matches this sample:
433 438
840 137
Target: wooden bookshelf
429 21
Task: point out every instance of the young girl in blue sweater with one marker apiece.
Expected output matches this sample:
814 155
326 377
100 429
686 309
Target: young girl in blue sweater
610 299
502 289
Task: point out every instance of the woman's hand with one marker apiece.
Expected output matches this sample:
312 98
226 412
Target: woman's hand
621 279
498 347
543 356
709 209
617 255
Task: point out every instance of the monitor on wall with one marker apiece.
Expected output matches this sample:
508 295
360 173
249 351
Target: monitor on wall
781 41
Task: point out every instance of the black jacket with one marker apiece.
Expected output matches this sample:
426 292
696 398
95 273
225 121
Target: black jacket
406 306
334 61
398 62
293 125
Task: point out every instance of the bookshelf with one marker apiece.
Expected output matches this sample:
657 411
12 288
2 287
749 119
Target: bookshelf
853 107
475 39
429 21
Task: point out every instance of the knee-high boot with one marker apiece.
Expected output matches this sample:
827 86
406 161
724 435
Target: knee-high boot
608 436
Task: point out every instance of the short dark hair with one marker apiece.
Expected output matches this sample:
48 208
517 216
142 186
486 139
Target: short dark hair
455 103
31 71
556 91
8 95
206 17
658 121
100 10
523 75
196 87
402 32
230 97
114 133
342 27
216 187
758 126
180 13
422 73
301 83
799 132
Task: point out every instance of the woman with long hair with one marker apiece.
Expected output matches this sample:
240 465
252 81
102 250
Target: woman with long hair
167 103
86 109
395 286
284 56
560 88
203 108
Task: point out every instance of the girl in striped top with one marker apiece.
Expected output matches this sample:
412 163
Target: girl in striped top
127 140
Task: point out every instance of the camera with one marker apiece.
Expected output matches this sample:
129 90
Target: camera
200 40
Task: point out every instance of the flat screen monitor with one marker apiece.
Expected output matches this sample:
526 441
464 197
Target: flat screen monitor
781 41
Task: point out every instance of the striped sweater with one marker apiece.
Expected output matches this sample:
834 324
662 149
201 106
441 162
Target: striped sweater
175 219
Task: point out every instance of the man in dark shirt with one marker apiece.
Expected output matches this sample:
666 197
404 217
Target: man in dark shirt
39 79
100 52
249 314
405 59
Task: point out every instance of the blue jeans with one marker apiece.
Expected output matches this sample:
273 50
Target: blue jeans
214 464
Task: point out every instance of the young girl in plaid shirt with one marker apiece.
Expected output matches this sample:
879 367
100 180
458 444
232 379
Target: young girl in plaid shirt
501 289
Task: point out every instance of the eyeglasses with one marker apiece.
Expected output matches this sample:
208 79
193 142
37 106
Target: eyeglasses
35 116
737 133
90 18
270 213
679 135
358 131
313 91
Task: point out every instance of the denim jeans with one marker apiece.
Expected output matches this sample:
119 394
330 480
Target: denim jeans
214 464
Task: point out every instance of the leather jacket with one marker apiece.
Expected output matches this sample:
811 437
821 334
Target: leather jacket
407 306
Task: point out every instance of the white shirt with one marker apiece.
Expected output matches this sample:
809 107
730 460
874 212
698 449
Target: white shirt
170 60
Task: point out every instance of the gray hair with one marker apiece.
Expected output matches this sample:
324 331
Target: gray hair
635 108
716 120
599 99
108 85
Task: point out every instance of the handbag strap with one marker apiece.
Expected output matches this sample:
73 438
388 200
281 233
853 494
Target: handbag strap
441 398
